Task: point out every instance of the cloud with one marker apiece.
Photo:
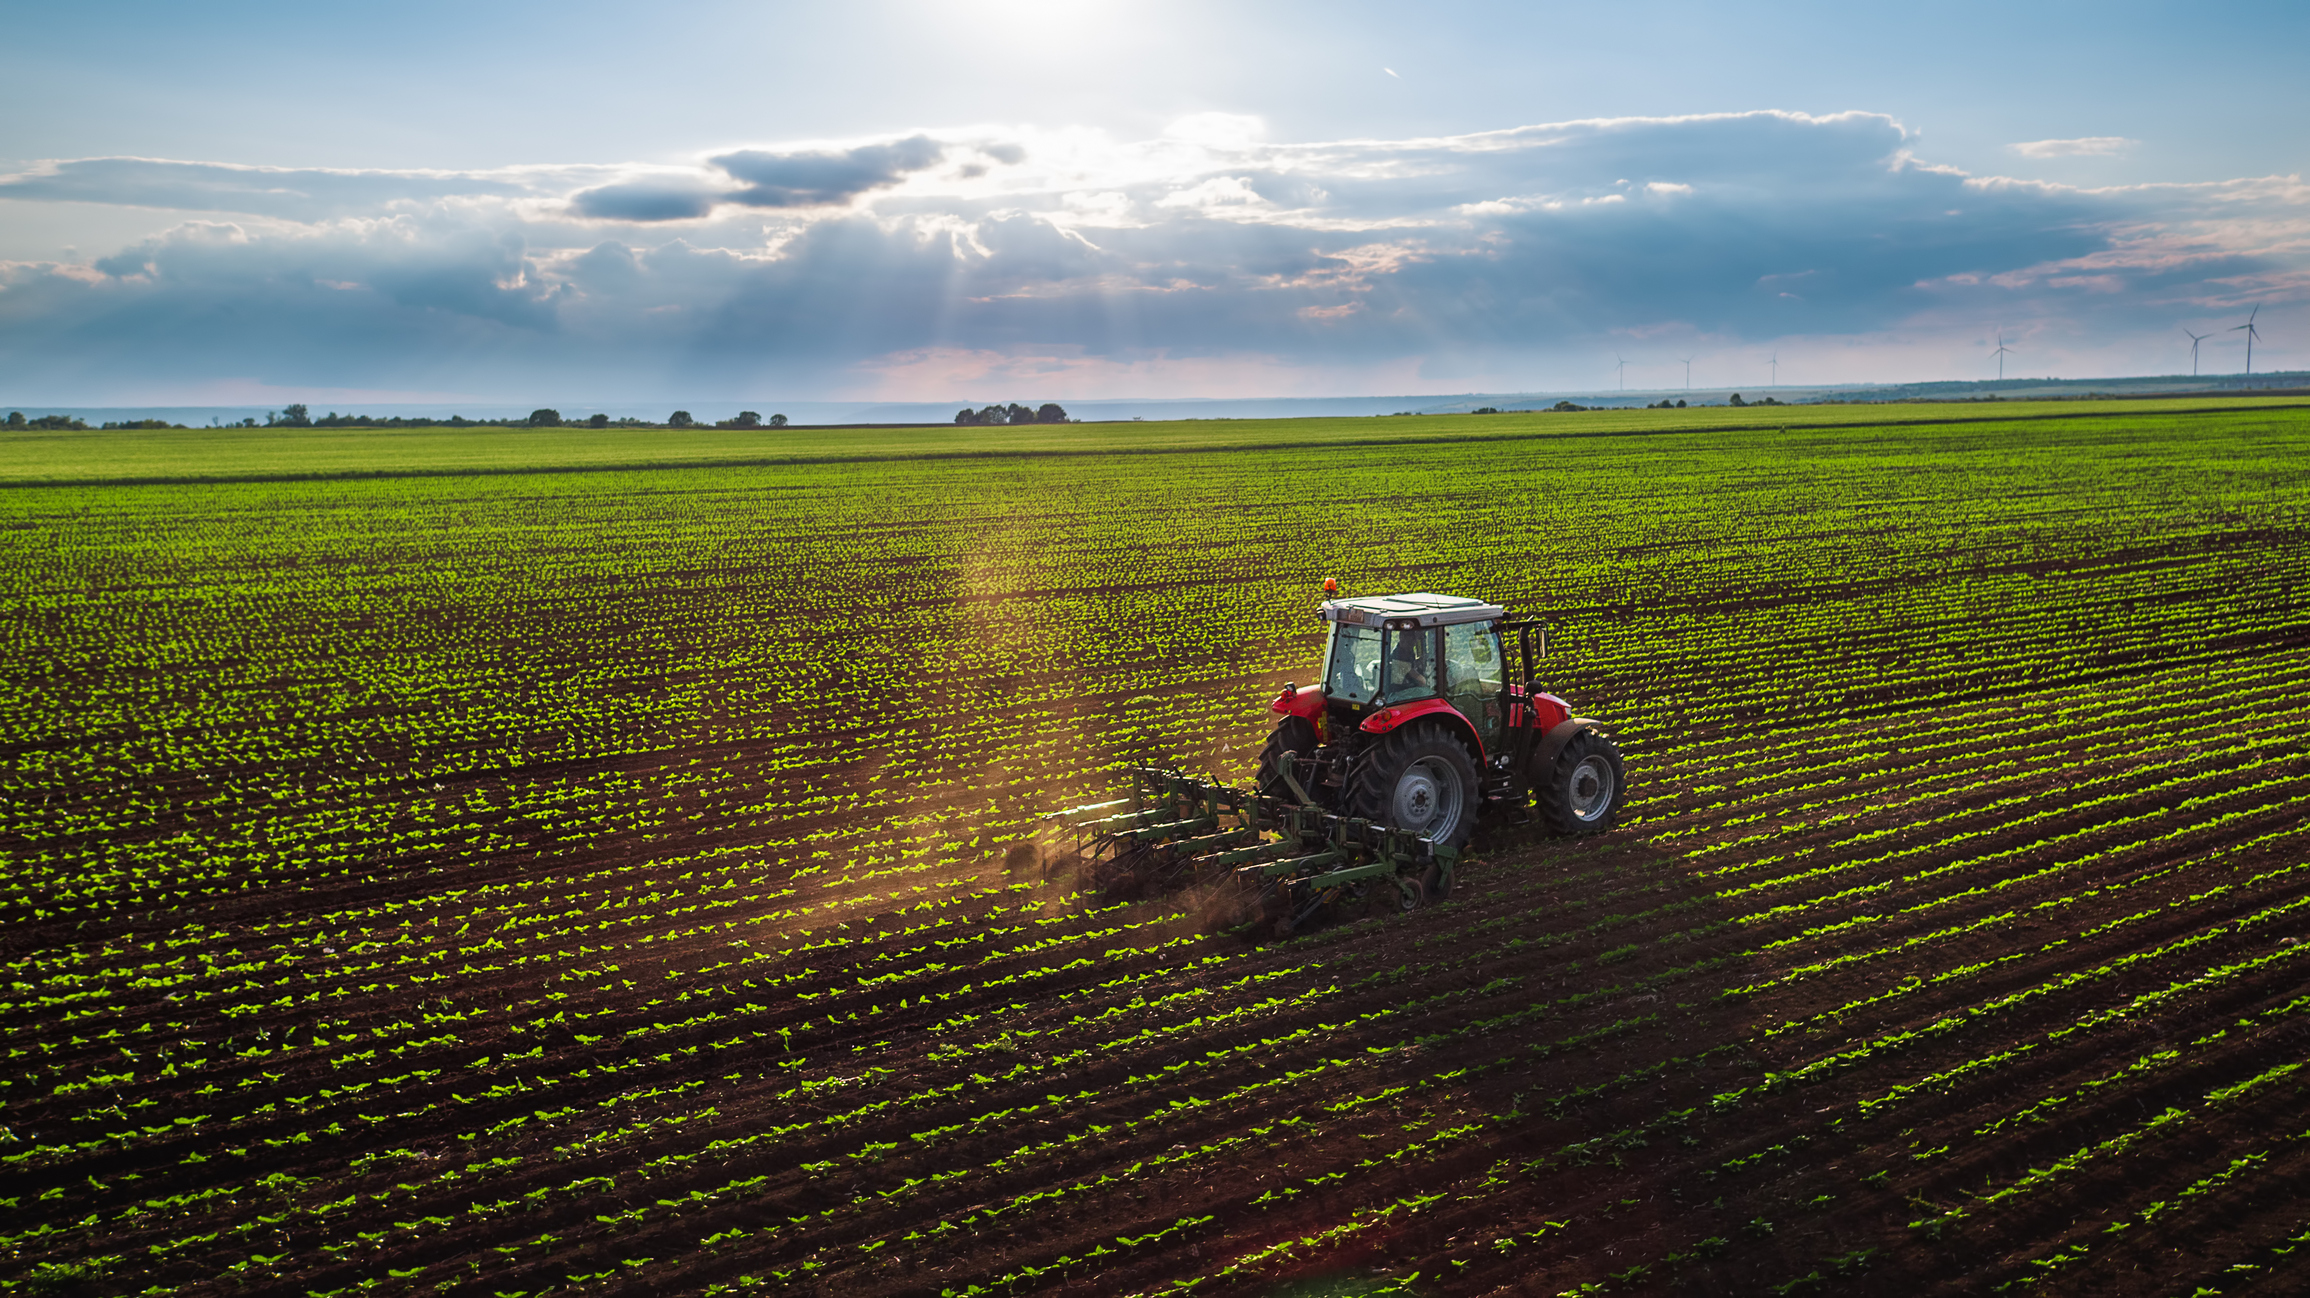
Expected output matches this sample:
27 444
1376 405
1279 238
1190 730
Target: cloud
821 179
645 200
2091 146
1207 255
294 194
811 178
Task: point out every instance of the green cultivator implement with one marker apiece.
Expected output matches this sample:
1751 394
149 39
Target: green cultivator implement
1256 859
1374 779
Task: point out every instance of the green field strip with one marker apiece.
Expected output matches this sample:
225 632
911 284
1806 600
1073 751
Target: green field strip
158 457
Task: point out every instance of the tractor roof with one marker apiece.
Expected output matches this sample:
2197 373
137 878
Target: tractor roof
1419 608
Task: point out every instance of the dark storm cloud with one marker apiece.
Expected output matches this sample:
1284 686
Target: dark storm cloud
822 179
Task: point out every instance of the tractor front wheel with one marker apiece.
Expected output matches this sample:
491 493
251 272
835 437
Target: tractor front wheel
1293 739
1584 791
1419 779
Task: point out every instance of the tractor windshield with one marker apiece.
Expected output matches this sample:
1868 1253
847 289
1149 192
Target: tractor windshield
1352 666
1366 665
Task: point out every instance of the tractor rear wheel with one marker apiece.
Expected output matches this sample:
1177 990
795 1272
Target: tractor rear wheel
1293 739
1419 779
1583 793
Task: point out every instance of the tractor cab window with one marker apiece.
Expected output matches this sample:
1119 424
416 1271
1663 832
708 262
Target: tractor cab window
1352 667
1411 665
1475 676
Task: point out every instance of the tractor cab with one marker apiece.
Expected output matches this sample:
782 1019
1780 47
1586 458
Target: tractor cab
1399 651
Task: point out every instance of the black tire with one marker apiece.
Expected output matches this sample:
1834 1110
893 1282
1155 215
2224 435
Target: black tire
1419 778
1294 738
1584 792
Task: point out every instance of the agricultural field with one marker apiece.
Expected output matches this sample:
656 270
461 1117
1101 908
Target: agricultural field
499 869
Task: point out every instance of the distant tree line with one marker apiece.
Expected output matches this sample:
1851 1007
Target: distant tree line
67 423
16 419
299 416
1050 412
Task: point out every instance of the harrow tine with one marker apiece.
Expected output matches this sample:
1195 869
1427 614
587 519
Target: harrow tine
1168 830
1253 855
1210 842
1109 824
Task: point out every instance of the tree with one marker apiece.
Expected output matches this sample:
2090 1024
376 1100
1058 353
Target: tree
966 416
15 419
598 421
1015 413
993 415
544 417
1051 412
1736 400
777 421
745 419
679 419
290 417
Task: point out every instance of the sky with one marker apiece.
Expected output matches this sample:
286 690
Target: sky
894 200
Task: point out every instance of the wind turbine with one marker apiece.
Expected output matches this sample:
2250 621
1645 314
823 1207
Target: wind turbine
1623 371
2195 339
1775 362
2251 334
1688 373
2002 349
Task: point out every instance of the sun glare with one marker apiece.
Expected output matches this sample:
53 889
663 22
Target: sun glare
1035 26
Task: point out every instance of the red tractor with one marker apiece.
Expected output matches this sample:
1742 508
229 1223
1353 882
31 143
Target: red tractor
1418 725
1373 780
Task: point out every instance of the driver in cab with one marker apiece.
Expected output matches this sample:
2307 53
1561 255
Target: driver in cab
1408 668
